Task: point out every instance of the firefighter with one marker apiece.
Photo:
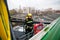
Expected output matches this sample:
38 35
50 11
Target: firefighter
28 23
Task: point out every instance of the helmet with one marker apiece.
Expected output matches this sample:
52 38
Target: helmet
26 17
29 14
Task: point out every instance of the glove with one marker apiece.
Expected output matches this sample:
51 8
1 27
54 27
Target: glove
31 27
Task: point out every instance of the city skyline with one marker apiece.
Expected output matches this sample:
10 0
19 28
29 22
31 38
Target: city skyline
38 4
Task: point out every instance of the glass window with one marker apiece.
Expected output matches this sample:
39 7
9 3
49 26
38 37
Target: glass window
48 10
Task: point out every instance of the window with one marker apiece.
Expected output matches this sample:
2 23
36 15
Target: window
40 9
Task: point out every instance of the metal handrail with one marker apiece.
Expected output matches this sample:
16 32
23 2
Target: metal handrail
26 36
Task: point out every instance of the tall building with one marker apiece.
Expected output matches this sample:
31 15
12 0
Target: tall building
25 10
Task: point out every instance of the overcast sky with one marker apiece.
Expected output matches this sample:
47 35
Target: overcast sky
38 4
